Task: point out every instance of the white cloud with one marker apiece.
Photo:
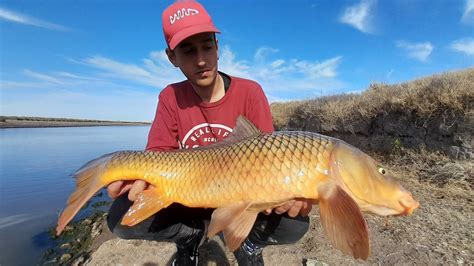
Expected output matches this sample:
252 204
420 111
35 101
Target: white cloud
128 89
229 64
42 77
465 45
360 16
15 17
418 51
468 15
157 71
293 77
74 76
263 52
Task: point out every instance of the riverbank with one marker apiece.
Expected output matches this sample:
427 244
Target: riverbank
31 122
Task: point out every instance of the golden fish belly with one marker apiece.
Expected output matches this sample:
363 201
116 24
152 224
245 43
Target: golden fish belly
269 168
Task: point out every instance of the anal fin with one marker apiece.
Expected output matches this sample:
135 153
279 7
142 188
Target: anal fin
343 222
235 222
148 202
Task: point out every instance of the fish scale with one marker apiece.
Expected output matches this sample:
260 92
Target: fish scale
207 176
205 182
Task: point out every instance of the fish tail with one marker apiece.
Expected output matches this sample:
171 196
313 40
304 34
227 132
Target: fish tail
88 181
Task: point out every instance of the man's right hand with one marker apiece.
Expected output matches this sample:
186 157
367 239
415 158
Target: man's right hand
134 187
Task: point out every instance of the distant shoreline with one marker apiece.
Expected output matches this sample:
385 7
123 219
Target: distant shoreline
38 122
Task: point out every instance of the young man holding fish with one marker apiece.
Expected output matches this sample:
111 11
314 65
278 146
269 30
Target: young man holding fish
197 112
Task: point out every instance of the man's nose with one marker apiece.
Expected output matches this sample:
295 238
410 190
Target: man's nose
201 62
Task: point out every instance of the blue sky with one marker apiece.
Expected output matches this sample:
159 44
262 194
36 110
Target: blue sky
105 59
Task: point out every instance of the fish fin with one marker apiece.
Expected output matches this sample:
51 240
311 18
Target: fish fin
148 202
243 129
235 221
239 229
88 182
343 222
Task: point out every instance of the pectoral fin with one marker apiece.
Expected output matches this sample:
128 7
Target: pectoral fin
235 222
148 202
343 222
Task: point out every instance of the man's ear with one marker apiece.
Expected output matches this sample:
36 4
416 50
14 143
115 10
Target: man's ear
171 56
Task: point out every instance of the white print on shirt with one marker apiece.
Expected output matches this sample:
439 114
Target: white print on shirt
181 13
204 133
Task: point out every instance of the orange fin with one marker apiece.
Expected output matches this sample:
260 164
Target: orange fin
235 221
88 182
343 222
148 202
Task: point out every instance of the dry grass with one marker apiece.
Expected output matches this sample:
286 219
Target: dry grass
416 127
431 166
447 95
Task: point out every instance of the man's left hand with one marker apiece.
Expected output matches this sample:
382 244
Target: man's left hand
293 208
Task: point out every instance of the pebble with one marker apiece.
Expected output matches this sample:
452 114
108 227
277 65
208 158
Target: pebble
64 258
65 246
95 230
78 261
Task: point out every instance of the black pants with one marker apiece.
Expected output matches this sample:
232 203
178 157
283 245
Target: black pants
180 224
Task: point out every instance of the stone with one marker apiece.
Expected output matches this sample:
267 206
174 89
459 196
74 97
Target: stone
65 257
65 246
313 262
78 261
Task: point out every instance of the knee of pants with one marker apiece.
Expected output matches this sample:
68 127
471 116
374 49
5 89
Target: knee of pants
117 229
116 212
279 229
297 231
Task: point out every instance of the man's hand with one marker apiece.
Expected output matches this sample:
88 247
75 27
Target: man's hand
134 187
293 207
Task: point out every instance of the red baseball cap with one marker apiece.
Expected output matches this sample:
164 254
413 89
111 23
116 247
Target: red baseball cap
183 19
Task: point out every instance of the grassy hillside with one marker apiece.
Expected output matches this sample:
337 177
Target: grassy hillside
424 126
436 112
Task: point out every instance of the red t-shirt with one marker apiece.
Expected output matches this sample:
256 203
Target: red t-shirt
182 120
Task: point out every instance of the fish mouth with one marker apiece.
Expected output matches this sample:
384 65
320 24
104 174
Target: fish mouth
409 205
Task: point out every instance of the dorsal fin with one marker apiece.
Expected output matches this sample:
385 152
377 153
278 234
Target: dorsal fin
243 129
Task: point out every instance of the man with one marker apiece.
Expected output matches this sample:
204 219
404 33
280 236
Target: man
196 112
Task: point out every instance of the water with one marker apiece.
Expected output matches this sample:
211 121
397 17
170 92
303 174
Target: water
35 180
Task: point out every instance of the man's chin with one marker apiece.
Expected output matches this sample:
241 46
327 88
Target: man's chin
203 83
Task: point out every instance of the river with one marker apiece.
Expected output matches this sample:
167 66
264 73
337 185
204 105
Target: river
36 166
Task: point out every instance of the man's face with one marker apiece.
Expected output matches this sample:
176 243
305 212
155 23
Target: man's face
197 58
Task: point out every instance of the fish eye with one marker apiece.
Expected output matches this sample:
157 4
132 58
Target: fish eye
381 170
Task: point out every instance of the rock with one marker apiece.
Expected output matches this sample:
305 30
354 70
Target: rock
65 246
313 262
65 257
96 230
86 221
78 261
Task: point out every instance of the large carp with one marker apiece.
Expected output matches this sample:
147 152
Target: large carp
249 172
